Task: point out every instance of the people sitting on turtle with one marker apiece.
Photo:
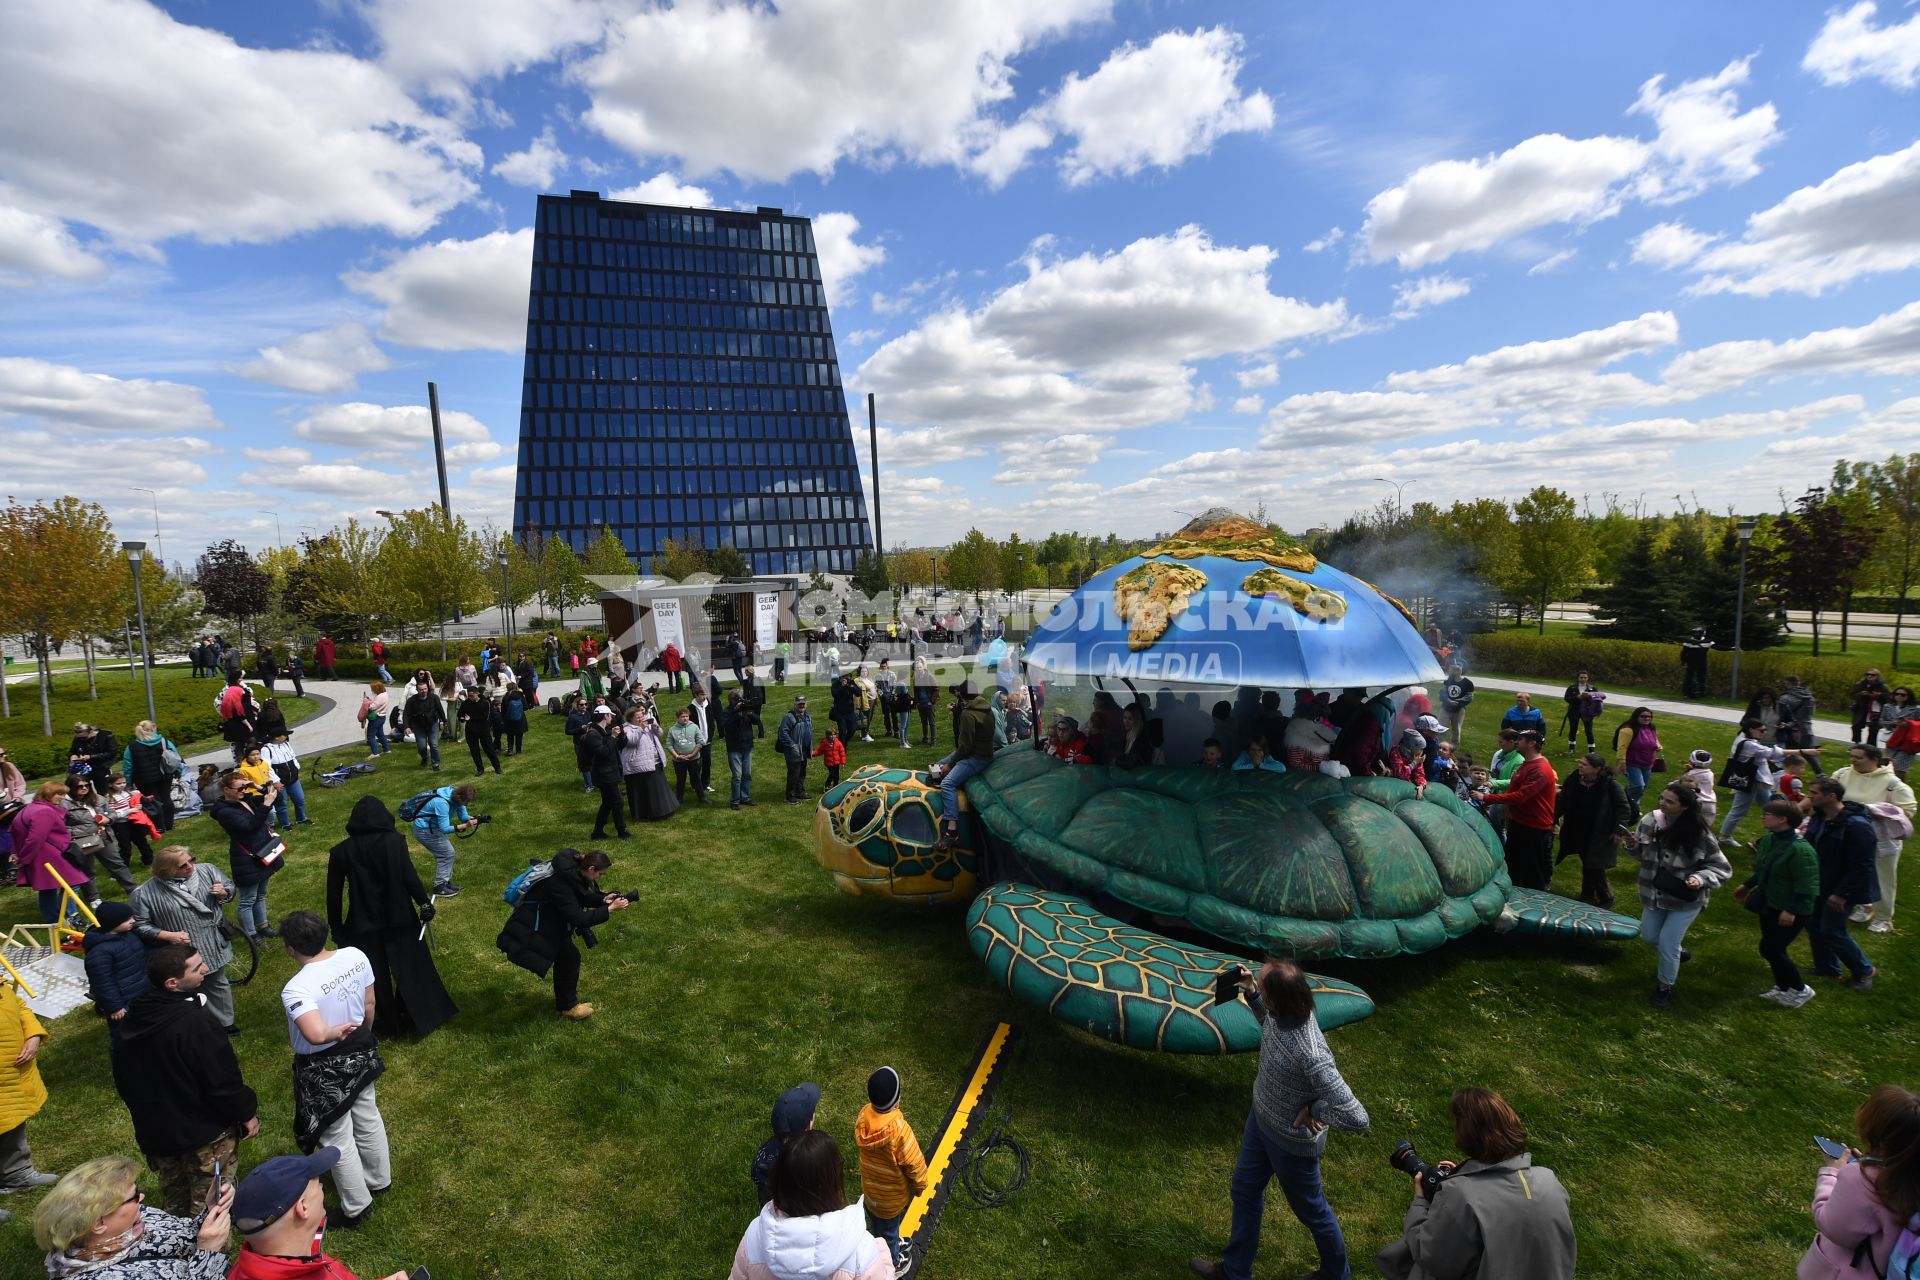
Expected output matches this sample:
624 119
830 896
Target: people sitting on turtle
1259 756
1066 742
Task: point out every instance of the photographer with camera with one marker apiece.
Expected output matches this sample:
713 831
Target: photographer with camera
1297 1095
539 934
444 813
1497 1216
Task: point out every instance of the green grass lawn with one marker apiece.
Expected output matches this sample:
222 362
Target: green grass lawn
184 707
1800 640
528 1146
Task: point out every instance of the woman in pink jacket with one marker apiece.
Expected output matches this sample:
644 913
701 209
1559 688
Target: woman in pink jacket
40 849
1861 1201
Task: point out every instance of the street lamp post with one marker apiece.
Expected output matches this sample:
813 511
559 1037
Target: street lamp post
278 541
1398 487
135 551
159 547
506 601
1745 530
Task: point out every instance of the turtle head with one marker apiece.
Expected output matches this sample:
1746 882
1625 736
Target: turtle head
876 833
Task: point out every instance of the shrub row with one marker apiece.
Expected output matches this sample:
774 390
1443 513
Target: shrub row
407 656
184 708
1657 666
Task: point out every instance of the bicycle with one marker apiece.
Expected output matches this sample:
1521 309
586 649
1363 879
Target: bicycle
246 952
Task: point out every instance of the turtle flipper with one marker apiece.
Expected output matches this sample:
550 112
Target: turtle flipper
1548 915
1120 982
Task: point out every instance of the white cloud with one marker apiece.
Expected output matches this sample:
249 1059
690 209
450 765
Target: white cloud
455 295
496 478
920 446
33 245
60 395
1888 345
1704 136
1852 45
1456 206
1580 353
282 456
1093 341
1863 220
1325 242
1342 417
40 465
664 188
536 166
1261 375
1156 105
122 118
346 479
1250 404
841 257
1668 245
396 431
1410 297
323 362
1010 148
446 45
831 80
1049 459
1469 206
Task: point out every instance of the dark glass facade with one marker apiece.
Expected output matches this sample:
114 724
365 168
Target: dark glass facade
681 382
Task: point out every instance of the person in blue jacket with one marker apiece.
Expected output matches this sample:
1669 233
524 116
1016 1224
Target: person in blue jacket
1843 836
444 814
1257 756
1523 715
116 965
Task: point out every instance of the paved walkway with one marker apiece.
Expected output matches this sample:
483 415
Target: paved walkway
1547 697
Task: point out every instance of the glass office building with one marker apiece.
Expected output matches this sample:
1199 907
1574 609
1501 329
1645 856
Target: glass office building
681 382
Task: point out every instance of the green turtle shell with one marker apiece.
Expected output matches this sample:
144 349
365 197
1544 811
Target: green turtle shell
1292 863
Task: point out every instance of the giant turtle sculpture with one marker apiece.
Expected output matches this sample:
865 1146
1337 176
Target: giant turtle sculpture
1297 864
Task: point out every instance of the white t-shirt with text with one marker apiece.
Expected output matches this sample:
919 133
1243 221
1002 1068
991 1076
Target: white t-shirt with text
336 987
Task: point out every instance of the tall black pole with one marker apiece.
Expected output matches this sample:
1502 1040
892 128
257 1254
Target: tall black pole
439 449
873 450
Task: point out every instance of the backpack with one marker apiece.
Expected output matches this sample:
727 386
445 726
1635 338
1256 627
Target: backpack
517 887
415 805
1904 1262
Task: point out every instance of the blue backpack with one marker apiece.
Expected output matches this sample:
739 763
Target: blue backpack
415 805
533 875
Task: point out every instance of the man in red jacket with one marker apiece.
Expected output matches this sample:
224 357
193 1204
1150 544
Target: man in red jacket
281 1210
323 658
1529 797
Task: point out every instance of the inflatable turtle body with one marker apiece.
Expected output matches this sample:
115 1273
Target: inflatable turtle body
1296 864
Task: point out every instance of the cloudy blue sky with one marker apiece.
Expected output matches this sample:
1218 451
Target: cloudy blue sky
1103 261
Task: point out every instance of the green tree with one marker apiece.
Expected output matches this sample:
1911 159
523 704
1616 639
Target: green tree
971 564
1855 499
1895 488
1550 557
727 562
870 575
1641 603
337 584
1017 564
566 581
910 569
53 558
1814 556
1720 598
678 561
607 558
432 568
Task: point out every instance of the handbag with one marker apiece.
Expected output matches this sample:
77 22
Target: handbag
1738 775
1659 765
1675 885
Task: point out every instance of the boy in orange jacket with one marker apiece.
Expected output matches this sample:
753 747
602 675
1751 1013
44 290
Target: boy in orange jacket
892 1170
833 753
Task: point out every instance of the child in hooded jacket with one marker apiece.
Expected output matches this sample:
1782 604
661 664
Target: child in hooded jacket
1699 775
833 753
893 1171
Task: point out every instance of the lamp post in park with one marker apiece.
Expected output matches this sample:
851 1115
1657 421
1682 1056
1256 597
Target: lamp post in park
136 551
1399 486
1745 530
506 600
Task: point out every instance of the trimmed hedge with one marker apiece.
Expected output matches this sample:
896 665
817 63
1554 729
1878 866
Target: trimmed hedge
404 657
1657 666
184 709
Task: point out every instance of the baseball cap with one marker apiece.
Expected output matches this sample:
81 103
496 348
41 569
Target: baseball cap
1430 724
265 1195
793 1110
603 710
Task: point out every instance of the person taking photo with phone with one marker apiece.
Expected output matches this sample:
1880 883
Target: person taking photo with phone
1864 1199
97 1223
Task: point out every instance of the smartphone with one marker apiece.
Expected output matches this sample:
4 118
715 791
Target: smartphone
419 1273
1227 985
1829 1148
213 1191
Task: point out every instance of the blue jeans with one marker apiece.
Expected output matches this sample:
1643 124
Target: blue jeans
441 847
386 677
905 718
1752 798
741 765
377 735
295 792
887 1229
1261 1160
251 906
427 743
955 777
553 664
1637 779
1664 931
1833 946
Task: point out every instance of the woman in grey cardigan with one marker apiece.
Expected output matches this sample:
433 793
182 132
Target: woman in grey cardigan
1680 867
181 904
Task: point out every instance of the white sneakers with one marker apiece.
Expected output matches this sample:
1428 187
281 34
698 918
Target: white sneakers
1790 999
1880 926
1860 914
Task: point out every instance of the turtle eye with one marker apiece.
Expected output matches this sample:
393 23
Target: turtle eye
913 824
863 816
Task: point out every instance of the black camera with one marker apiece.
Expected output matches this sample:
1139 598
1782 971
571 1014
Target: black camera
483 818
631 895
1409 1162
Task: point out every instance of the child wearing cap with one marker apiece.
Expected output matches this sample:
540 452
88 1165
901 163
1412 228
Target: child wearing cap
280 1209
892 1169
1699 776
792 1116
